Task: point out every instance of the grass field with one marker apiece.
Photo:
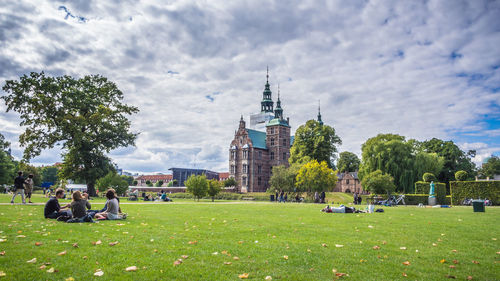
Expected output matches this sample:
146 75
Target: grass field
223 240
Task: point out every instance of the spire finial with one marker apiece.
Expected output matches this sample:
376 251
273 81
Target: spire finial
319 113
278 91
267 75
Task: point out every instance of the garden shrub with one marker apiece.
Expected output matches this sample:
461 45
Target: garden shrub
475 190
428 177
461 176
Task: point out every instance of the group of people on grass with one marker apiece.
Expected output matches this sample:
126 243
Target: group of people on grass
79 210
23 186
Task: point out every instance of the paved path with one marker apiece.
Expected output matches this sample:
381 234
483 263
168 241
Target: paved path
157 203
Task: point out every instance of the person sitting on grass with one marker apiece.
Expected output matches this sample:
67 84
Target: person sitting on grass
52 208
78 208
112 208
92 213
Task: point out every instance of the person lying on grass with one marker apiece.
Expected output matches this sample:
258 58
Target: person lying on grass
52 208
112 208
78 208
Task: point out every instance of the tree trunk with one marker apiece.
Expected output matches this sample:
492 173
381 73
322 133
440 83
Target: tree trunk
91 189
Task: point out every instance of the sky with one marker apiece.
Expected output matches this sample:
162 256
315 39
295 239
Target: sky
421 69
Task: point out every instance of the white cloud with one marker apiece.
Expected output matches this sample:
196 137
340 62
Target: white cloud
378 67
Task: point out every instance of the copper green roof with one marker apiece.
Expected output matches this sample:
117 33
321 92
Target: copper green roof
258 138
277 121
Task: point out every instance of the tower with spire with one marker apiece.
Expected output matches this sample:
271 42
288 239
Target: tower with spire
319 113
255 150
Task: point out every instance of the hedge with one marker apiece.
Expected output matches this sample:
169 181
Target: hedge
415 199
224 196
423 188
475 190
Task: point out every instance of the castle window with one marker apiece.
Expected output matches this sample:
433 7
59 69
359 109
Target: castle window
259 169
232 169
284 142
272 141
259 180
272 130
233 154
244 181
347 181
245 168
284 155
260 154
245 154
272 156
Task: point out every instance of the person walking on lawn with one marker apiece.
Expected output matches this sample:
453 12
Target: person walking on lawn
18 187
28 187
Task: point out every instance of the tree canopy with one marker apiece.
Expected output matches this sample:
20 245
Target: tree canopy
316 141
378 183
112 180
282 179
7 164
315 177
491 167
348 162
86 116
454 158
197 185
214 187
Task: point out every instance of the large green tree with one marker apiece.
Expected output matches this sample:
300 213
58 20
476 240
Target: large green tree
197 185
214 187
112 180
315 177
391 154
49 174
491 167
378 183
282 179
7 164
317 141
454 158
348 162
86 116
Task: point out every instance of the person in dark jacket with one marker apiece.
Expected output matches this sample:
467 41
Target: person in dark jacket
52 208
18 187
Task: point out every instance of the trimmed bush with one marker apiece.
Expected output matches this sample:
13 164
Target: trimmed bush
461 176
415 199
428 177
475 190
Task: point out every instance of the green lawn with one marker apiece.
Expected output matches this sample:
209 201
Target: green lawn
261 235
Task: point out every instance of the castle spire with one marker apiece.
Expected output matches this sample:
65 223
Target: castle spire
319 113
266 105
278 112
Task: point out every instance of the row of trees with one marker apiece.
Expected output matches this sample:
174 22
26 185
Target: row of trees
199 186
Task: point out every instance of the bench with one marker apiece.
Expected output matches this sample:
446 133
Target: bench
247 198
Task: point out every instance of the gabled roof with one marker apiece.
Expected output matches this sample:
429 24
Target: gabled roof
353 174
258 138
277 121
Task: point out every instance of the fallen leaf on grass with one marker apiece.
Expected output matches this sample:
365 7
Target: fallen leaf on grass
451 276
62 253
38 243
33 260
2 240
51 270
376 247
324 245
177 262
370 226
452 266
215 253
434 244
113 243
192 242
442 261
97 242
309 250
85 257
69 279
469 277
339 246
384 242
99 273
228 263
402 248
184 256
43 266
455 261
131 268
362 260
243 276
406 263
236 258
75 245
454 251
405 275
268 278
240 242
2 274
340 274
285 257
476 262
2 253
20 236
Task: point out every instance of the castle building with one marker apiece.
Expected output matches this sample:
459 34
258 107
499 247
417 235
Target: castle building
255 150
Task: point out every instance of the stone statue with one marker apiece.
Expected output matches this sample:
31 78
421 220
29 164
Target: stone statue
432 190
432 195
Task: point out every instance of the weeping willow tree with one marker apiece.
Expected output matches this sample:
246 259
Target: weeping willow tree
392 155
